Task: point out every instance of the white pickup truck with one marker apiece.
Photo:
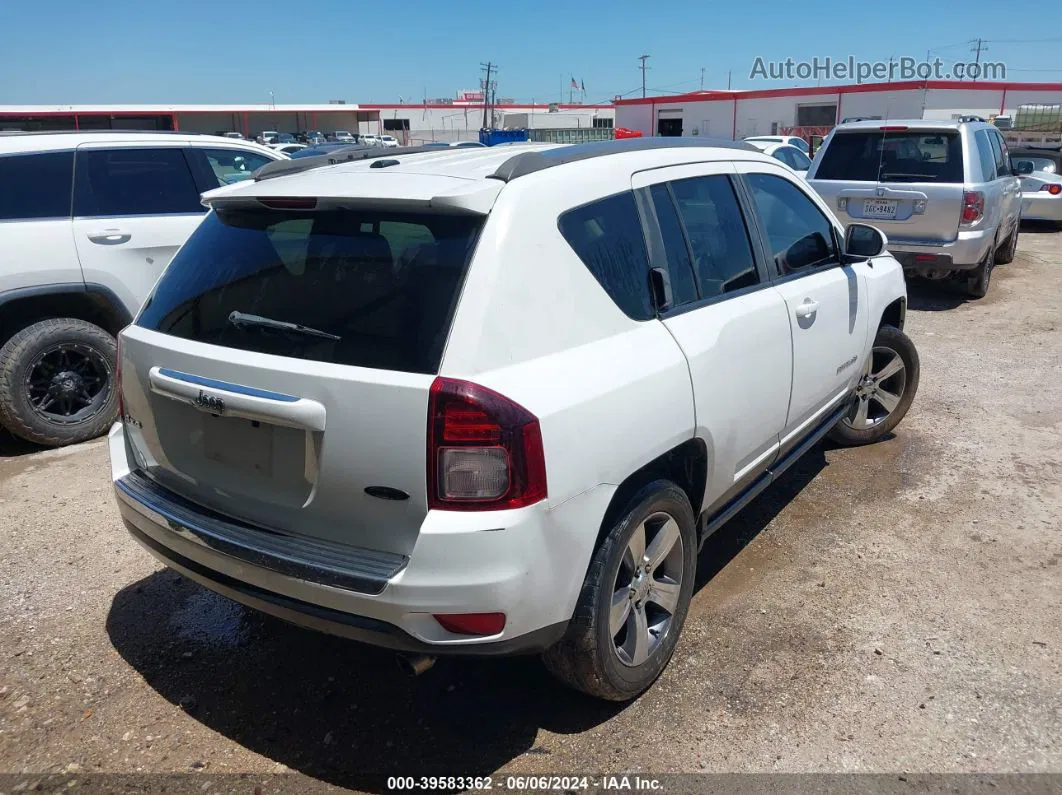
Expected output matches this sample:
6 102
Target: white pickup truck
493 401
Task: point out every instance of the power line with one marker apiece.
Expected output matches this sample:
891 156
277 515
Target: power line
644 58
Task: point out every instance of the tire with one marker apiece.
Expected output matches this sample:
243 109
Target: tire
890 343
977 283
57 382
588 658
1005 255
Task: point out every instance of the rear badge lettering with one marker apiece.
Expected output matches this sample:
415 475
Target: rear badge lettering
214 405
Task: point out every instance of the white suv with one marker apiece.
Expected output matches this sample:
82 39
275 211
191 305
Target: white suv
492 401
87 223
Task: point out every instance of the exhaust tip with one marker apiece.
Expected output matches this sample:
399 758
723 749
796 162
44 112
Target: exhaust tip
415 664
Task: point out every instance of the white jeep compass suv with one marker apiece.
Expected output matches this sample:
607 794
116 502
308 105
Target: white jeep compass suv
493 400
88 221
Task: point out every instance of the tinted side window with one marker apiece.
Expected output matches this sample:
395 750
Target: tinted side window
997 154
986 155
134 182
722 253
679 265
607 236
36 186
1004 169
799 234
234 165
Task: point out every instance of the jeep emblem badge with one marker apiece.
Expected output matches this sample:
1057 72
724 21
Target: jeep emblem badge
214 405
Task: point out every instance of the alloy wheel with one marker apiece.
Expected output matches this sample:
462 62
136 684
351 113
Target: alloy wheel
879 391
646 592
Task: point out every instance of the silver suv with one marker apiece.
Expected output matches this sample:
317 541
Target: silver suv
944 193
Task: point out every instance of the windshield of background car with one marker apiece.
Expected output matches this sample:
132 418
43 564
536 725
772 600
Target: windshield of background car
899 156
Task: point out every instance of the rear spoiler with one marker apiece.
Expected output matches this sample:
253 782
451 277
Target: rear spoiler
349 154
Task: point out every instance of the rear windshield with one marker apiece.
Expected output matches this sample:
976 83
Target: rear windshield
907 156
384 284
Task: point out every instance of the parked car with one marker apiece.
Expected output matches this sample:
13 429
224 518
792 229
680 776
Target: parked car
323 149
368 139
790 140
790 155
451 455
235 135
88 221
1040 172
288 149
342 136
312 137
286 138
268 137
389 141
944 192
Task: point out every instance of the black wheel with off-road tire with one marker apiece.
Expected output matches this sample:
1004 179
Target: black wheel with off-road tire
885 391
634 599
57 382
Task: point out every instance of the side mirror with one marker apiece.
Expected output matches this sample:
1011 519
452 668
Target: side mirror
1024 167
863 242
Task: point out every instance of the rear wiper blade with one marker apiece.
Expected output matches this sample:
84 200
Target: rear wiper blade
244 320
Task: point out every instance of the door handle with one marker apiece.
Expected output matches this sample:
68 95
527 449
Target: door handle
807 309
109 237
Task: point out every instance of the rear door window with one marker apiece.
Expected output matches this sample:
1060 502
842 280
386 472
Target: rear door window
893 156
114 182
607 237
379 288
715 227
36 186
1003 165
986 155
676 249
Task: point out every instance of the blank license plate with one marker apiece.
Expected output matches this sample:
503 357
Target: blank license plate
238 443
879 208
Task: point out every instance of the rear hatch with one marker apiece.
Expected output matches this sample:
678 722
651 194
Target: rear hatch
909 183
280 371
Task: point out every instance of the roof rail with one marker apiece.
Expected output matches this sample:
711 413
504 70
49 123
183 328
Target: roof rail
92 132
348 154
529 162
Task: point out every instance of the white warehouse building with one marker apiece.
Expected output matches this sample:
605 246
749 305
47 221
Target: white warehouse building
813 111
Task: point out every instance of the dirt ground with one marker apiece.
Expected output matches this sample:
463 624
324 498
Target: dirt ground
891 608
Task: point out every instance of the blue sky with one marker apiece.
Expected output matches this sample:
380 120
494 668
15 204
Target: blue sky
379 50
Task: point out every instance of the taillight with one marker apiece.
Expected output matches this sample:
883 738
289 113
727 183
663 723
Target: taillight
973 206
484 450
1054 190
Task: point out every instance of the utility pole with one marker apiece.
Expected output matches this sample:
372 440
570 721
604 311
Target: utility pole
978 47
891 60
728 73
488 66
702 78
643 67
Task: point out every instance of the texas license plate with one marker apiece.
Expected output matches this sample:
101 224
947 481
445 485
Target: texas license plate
879 208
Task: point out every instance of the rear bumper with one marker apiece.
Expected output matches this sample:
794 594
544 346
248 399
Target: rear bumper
528 563
1041 206
964 253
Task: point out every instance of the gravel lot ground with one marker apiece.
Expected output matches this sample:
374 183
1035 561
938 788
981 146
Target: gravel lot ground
890 608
